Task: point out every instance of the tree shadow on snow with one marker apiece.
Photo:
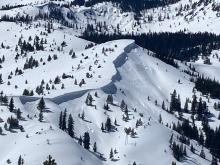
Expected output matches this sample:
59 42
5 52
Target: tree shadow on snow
98 155
115 160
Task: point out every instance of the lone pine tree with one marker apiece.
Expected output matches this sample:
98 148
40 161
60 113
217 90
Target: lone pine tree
111 155
50 161
11 105
70 126
20 160
86 140
108 124
41 104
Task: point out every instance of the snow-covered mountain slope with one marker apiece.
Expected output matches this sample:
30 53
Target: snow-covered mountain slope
131 68
117 81
185 15
39 140
97 62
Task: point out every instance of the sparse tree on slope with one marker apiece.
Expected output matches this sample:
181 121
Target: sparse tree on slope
50 161
111 155
11 105
20 160
86 140
41 104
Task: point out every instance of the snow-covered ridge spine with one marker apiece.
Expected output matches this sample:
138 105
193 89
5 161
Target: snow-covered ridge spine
118 62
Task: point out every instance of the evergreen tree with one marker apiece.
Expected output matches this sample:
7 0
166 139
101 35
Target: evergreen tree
1 130
200 109
108 124
160 119
5 100
83 115
102 127
50 161
163 106
111 155
202 154
194 105
175 104
192 149
61 120
89 99
173 163
18 113
64 120
70 126
1 81
41 105
86 140
80 141
11 105
95 147
126 112
109 99
122 105
186 109
20 160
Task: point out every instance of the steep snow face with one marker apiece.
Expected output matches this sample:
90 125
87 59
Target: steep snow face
135 69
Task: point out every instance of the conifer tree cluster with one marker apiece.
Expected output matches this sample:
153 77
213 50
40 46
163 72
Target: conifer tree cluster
208 87
66 124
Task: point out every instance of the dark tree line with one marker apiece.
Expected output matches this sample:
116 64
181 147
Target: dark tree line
167 46
128 5
208 86
22 18
9 7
